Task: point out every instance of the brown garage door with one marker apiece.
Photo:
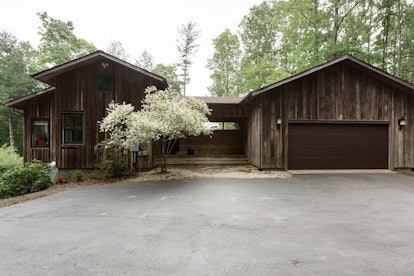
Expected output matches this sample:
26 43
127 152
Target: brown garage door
337 146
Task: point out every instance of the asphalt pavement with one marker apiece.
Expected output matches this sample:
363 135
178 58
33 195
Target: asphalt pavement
310 224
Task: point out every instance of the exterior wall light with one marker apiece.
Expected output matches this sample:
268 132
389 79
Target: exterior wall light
402 122
279 121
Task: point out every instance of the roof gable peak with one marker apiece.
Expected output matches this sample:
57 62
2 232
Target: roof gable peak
48 75
347 57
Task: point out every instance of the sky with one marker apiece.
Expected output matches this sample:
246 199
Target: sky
139 25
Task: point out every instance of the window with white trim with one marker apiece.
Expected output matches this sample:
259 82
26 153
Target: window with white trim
40 133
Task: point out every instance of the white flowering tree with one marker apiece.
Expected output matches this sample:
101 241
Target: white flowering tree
164 116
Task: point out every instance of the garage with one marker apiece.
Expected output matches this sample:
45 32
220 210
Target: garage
337 146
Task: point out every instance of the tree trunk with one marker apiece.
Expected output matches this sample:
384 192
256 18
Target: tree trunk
167 147
398 37
335 32
11 134
316 26
164 157
386 26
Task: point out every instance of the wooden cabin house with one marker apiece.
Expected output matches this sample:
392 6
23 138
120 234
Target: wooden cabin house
61 122
344 114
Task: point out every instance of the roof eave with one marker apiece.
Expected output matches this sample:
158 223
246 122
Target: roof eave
43 75
220 100
18 103
397 82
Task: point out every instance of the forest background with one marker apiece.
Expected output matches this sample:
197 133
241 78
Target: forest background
276 39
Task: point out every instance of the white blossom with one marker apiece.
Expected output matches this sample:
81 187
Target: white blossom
164 115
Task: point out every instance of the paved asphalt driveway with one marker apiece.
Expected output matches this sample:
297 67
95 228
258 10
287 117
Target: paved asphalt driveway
349 224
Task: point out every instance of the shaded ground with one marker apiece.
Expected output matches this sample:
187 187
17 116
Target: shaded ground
174 173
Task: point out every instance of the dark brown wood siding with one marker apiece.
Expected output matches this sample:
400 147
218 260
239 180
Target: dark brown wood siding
265 139
226 112
40 107
220 143
339 93
76 91
254 121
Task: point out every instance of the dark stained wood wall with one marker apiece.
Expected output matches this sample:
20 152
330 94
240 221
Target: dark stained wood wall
339 93
226 112
265 138
76 91
220 143
40 107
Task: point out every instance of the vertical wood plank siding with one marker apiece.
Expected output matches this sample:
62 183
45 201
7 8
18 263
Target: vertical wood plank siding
40 107
226 112
76 91
341 92
338 93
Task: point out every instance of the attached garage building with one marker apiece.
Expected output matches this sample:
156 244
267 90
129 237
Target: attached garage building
344 114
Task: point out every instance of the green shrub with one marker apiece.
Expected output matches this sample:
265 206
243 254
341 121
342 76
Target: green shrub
114 159
78 175
9 158
32 177
113 168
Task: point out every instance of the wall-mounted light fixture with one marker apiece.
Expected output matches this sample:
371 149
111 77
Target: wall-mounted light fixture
278 121
402 122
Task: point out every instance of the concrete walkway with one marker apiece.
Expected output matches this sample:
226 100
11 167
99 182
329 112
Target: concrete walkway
315 224
353 171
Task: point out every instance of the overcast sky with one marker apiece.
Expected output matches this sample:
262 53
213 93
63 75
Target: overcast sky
139 25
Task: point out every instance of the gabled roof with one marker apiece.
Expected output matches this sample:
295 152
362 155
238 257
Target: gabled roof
351 60
48 76
22 100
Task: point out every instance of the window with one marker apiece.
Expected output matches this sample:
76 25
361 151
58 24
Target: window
223 125
72 128
104 83
40 133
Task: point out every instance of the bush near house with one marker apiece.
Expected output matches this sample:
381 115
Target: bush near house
114 159
32 177
9 158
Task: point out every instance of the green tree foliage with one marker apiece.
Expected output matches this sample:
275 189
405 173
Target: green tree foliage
58 43
169 72
281 38
406 69
187 46
225 65
259 39
9 158
15 66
